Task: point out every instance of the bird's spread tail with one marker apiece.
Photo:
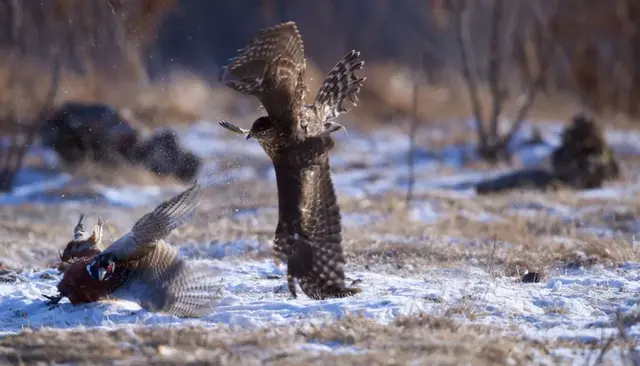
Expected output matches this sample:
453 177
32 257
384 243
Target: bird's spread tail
194 292
165 282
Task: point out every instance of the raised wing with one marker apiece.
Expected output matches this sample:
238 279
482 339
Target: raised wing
271 68
164 282
340 84
308 235
150 228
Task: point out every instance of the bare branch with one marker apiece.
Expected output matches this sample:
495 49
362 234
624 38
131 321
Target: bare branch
462 37
546 51
412 134
53 90
510 29
21 141
495 67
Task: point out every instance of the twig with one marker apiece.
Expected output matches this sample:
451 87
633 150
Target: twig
462 38
546 51
412 138
495 68
17 149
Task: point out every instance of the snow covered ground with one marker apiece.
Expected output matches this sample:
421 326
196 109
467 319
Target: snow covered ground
570 304
574 305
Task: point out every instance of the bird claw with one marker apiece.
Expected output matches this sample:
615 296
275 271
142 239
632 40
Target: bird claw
356 281
233 128
53 300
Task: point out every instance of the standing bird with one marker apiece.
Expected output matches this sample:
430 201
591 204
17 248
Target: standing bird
141 267
297 139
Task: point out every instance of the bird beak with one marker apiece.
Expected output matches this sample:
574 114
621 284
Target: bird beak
101 273
249 135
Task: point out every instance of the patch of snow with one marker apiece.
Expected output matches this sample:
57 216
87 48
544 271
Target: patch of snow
131 196
207 139
567 305
424 211
216 249
610 192
255 294
30 183
355 219
534 156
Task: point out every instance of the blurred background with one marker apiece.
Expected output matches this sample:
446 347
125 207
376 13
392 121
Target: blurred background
134 53
156 61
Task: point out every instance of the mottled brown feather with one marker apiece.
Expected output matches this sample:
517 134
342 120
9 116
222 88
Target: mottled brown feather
297 139
271 67
309 231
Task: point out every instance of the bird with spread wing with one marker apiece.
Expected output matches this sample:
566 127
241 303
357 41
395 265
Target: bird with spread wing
142 267
297 138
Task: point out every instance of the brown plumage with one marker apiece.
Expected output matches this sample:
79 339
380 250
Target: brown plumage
584 160
141 267
78 285
297 139
82 245
97 131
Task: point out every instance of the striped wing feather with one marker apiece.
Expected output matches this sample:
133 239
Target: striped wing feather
271 67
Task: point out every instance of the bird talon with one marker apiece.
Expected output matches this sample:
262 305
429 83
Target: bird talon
53 300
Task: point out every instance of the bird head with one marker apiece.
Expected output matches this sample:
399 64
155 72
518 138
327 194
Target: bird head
262 128
102 267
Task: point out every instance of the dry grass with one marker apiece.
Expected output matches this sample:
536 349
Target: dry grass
179 97
115 175
183 97
408 340
508 243
426 340
31 235
511 242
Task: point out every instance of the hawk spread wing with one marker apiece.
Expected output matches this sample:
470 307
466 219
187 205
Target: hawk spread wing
308 235
271 67
155 225
340 84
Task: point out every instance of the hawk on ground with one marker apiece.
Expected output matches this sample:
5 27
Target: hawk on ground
297 138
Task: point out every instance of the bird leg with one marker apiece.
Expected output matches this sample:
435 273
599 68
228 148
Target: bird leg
291 283
233 128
